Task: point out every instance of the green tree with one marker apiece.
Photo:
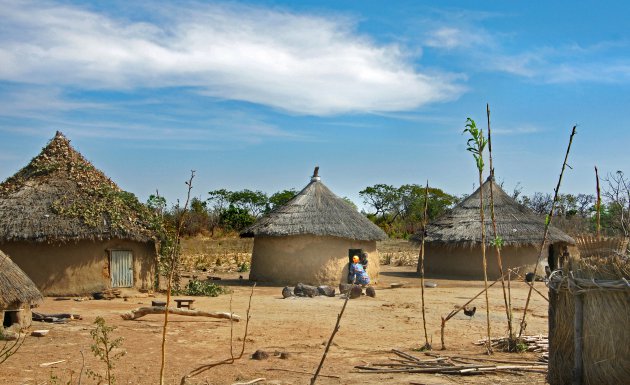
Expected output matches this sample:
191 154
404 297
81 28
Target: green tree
281 197
383 198
236 218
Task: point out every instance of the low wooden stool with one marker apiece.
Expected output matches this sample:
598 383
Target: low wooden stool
185 303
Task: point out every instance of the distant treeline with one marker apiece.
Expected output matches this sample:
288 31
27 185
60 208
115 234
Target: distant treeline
398 210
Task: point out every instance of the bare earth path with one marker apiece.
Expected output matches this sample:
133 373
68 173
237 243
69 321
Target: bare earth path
371 327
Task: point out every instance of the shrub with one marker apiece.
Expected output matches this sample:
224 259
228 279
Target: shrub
203 288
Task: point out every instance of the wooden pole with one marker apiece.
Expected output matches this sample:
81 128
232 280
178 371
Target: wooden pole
578 339
497 240
442 333
598 205
484 262
169 285
427 345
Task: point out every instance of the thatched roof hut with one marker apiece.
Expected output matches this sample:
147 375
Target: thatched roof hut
310 238
60 196
453 241
60 201
17 294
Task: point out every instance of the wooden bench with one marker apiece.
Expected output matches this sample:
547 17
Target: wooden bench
185 303
158 303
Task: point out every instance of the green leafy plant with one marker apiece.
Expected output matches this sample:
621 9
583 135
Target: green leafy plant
476 143
203 288
106 349
243 267
497 242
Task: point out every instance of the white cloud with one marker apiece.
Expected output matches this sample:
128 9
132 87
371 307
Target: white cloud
303 64
524 129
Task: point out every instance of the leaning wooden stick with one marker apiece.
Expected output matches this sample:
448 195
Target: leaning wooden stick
335 330
452 313
544 239
142 311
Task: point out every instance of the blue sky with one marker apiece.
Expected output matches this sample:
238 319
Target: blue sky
255 94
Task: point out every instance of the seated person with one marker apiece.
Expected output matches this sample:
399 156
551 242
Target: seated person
357 273
364 260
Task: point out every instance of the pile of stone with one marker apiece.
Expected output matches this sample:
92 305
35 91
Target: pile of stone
302 290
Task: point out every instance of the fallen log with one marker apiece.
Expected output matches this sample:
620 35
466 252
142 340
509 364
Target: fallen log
142 311
42 317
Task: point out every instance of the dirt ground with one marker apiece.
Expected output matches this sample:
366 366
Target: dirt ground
370 328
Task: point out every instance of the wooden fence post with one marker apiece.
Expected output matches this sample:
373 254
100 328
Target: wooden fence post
578 337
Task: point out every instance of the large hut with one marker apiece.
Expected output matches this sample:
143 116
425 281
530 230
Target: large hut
71 229
311 238
17 294
453 241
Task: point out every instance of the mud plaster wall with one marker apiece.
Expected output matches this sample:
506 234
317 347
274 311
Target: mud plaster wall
21 317
466 262
308 259
79 268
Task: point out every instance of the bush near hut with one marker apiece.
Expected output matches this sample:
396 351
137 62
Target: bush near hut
197 287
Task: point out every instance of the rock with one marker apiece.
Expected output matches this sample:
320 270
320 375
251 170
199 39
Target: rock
284 355
302 290
344 287
355 292
328 291
287 292
39 333
8 335
369 291
430 284
260 355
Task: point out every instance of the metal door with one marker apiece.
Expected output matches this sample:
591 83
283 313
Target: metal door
121 268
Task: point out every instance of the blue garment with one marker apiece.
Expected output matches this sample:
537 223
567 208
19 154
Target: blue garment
357 274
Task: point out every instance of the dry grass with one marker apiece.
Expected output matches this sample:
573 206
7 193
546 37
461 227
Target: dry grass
398 252
613 267
222 255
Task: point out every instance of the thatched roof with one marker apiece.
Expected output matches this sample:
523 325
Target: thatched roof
60 196
16 287
316 211
516 224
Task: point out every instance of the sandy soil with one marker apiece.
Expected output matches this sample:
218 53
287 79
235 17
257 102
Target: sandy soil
370 328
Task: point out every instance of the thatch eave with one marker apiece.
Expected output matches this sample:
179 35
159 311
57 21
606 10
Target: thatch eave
16 288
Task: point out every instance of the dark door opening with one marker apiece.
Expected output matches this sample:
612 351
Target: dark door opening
10 317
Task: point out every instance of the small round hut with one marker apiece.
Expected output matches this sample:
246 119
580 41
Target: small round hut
311 238
71 229
453 241
17 294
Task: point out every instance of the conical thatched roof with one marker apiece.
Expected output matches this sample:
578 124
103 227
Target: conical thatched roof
516 224
316 211
60 196
16 287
